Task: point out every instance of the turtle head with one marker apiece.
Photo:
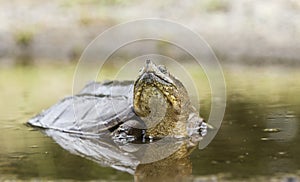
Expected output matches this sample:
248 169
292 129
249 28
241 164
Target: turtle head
156 82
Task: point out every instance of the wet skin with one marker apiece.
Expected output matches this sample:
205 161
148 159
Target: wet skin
162 104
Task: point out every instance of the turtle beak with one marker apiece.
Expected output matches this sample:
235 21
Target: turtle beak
150 67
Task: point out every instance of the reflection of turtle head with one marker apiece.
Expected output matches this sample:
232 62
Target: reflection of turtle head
157 92
178 161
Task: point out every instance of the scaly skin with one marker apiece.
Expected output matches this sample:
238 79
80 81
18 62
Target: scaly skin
158 93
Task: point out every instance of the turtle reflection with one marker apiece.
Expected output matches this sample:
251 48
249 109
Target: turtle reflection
165 159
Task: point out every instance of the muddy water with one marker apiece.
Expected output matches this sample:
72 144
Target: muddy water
258 139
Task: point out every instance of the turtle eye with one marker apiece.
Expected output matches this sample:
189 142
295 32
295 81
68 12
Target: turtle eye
163 69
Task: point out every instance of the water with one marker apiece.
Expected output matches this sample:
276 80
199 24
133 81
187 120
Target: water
258 139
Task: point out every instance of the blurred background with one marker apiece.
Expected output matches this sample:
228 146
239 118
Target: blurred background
257 43
247 32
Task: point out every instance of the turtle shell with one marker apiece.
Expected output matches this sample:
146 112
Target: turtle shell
97 108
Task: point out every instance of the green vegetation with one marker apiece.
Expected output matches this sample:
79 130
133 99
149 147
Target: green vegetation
24 37
24 41
217 5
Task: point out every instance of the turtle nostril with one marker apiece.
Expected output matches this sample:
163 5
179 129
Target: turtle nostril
150 66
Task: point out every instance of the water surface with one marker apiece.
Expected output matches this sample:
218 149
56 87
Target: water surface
257 140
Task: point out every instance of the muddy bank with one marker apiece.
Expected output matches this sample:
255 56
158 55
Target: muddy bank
251 32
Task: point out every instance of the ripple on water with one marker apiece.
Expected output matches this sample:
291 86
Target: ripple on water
280 126
271 130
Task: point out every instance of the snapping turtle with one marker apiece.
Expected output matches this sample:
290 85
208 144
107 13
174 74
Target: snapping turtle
154 106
